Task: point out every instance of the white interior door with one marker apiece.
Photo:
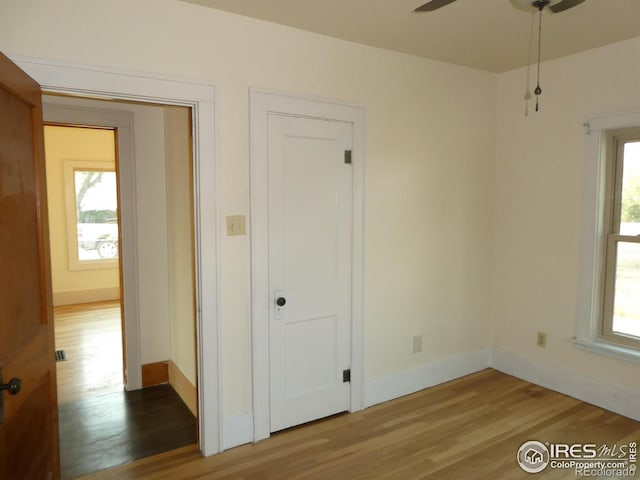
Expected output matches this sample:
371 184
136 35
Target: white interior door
310 238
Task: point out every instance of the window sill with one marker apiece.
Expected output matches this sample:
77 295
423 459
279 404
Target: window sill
609 349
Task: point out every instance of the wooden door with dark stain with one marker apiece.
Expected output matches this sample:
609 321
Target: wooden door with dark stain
28 431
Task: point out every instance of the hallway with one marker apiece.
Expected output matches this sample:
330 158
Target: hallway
101 424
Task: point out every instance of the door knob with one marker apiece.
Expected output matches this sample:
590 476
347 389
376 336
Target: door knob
281 301
13 387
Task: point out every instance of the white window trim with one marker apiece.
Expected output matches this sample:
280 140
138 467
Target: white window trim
74 262
592 236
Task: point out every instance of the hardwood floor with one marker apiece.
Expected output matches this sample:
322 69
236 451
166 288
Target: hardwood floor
103 431
102 425
470 428
90 335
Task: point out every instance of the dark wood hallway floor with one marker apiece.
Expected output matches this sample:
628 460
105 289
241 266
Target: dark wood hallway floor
102 425
117 428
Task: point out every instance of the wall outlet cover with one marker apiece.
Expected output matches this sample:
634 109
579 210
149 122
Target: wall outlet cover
417 344
541 339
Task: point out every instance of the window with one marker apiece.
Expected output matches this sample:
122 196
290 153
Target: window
96 201
609 290
91 197
621 313
83 197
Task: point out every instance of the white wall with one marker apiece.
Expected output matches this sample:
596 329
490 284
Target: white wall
538 195
180 241
148 126
429 174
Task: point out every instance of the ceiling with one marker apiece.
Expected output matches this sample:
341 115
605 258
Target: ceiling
492 35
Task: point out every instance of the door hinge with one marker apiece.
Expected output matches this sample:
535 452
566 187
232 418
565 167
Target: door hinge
347 156
346 375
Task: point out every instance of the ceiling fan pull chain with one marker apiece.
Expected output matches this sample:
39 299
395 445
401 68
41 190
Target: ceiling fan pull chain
538 90
527 93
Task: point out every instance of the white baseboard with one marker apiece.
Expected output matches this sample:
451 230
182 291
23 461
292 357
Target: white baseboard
238 430
86 296
183 387
435 373
554 377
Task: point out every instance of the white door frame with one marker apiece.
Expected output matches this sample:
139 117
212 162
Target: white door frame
261 105
112 84
123 121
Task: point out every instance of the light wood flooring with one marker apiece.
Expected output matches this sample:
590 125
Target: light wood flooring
470 428
90 334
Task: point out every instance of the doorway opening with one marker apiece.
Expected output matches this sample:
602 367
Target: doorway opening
84 237
109 404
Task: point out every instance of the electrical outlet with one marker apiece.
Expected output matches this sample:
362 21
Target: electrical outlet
541 340
417 344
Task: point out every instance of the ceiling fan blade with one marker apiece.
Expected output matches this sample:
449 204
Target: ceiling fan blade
564 5
433 5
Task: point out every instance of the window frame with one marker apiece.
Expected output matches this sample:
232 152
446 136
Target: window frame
70 167
616 141
595 226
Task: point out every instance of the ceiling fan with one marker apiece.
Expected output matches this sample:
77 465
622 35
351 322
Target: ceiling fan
554 6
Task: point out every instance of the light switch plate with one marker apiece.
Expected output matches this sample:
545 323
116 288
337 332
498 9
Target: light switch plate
236 225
